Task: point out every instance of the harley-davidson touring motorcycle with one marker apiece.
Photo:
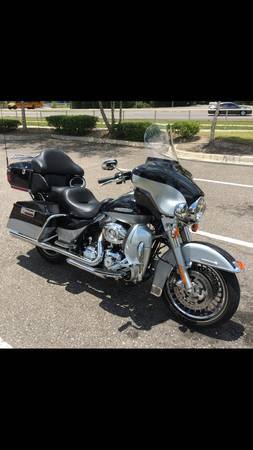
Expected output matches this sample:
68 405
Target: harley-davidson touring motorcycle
146 233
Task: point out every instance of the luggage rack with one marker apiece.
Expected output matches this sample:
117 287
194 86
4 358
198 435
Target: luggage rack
23 157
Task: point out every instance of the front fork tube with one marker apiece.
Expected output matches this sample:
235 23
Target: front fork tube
171 231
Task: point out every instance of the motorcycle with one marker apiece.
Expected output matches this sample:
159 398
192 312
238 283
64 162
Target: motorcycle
146 233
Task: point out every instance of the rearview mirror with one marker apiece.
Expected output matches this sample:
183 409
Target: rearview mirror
109 164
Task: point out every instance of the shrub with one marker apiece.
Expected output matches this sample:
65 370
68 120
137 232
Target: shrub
141 104
72 125
186 128
9 124
130 131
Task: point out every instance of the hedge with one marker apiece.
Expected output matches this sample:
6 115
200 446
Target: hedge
185 128
9 124
130 131
72 125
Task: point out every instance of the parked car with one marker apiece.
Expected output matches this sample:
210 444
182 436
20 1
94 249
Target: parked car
230 108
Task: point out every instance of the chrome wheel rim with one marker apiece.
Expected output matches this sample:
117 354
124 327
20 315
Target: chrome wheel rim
209 300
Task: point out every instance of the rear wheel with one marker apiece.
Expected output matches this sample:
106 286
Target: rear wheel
214 302
51 256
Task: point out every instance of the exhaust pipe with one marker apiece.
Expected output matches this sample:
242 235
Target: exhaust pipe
98 272
60 250
72 259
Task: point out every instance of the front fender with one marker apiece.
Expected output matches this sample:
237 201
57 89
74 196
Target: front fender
210 255
199 252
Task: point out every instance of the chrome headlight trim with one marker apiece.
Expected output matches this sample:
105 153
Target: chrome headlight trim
181 211
197 209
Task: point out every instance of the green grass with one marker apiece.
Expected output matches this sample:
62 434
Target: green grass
233 136
238 139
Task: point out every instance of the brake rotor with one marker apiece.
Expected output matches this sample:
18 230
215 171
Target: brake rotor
207 295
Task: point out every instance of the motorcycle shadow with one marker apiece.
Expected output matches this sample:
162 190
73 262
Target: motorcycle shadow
124 300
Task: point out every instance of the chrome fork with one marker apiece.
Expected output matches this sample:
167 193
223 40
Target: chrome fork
171 229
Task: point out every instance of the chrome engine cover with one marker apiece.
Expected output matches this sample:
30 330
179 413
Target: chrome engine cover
114 233
113 260
137 250
90 253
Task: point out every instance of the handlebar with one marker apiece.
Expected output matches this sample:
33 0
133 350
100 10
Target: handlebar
105 180
121 177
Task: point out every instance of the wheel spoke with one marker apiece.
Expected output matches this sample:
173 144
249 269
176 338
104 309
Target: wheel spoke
210 293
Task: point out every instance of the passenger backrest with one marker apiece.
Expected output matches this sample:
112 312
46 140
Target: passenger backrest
52 161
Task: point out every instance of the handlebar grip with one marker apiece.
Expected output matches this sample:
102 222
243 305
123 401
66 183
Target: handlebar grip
103 180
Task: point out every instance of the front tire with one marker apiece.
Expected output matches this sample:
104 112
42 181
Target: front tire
204 311
51 256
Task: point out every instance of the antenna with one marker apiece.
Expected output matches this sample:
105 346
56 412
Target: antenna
5 146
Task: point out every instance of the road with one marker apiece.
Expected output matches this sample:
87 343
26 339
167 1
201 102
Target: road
186 113
62 307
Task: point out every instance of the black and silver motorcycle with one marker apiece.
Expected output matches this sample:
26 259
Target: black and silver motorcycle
140 235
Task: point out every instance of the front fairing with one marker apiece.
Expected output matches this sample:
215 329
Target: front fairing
169 172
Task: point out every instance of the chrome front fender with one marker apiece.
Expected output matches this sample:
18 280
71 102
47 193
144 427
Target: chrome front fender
199 252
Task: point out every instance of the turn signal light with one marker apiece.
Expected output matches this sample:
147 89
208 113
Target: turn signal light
195 227
241 265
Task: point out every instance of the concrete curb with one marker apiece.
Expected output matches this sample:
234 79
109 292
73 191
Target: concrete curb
98 140
216 158
182 154
14 138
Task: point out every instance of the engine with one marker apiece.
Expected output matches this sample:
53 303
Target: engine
114 233
121 247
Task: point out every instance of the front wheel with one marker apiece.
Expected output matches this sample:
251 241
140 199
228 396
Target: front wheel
215 300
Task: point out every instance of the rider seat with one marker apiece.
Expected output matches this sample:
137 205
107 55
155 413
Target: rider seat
77 201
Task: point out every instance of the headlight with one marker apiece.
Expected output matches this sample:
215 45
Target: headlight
197 209
192 214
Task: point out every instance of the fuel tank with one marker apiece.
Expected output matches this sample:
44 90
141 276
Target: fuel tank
126 209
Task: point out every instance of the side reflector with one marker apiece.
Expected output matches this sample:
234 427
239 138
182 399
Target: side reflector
241 265
175 233
182 275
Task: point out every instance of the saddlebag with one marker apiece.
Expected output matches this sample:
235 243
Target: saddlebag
28 218
19 175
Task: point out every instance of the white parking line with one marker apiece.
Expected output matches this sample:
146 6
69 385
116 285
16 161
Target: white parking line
226 239
4 344
224 182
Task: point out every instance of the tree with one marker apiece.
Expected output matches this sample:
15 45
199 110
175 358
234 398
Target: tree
111 125
112 114
214 122
120 112
105 119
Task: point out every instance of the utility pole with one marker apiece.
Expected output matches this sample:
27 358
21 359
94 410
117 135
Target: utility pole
214 121
23 116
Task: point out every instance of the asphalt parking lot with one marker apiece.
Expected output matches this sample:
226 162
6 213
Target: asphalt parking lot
62 307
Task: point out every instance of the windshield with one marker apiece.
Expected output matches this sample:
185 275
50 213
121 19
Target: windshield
158 139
